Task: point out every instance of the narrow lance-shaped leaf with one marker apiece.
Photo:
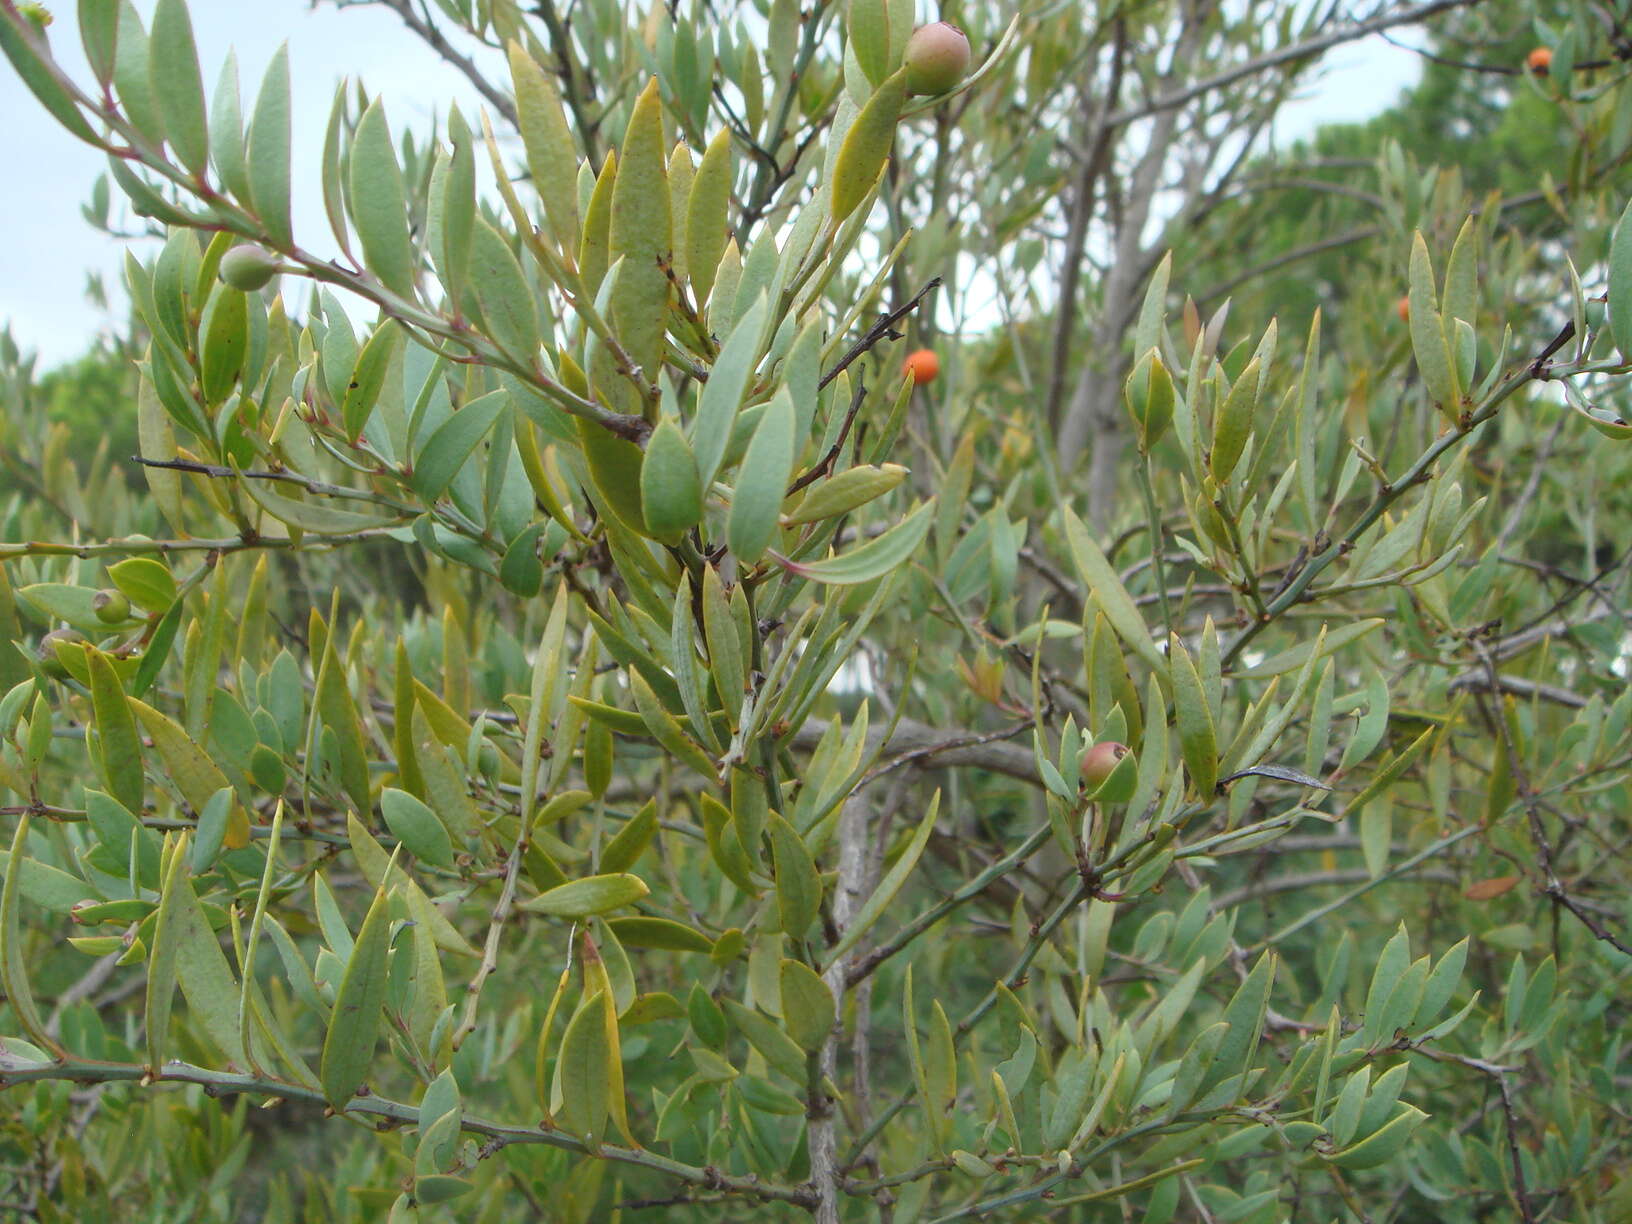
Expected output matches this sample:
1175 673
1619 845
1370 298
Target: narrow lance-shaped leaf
866 146
671 497
592 895
447 450
378 201
178 85
761 481
227 131
552 157
269 141
875 905
798 885
13 973
1234 424
639 235
706 211
581 1094
182 937
873 559
1197 739
1620 283
1462 276
119 746
1107 591
1428 341
25 56
722 394
507 303
348 1047
807 1004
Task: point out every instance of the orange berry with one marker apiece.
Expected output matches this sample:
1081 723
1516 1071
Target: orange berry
923 365
1403 309
1539 60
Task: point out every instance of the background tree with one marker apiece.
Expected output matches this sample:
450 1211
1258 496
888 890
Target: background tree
727 818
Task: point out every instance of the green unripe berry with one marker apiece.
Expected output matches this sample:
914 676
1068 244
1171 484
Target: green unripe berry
248 267
111 607
487 761
46 652
937 58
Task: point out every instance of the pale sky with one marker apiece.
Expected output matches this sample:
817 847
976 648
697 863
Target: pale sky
48 247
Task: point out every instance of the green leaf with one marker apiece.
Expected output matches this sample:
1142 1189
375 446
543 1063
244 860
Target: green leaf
774 1045
456 439
1620 283
1462 276
61 601
316 517
177 84
671 496
662 933
706 226
640 233
354 1026
148 583
762 480
132 76
186 765
13 972
507 303
338 711
1428 340
1195 1067
1316 647
725 654
583 1073
798 884
867 25
722 394
1197 741
1442 982
227 131
417 827
379 206
48 887
873 559
591 895
1234 424
1382 1145
666 730
1245 1015
99 34
873 909
268 151
224 342
807 1004
1108 593
552 156
119 747
24 48
866 146
368 378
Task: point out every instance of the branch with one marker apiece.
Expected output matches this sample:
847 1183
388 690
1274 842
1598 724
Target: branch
1286 55
389 1114
434 40
955 748
882 330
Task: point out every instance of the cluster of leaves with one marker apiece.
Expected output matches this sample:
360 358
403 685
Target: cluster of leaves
513 723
